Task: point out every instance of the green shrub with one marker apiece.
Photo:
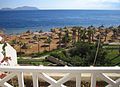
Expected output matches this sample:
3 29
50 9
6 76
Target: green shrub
83 54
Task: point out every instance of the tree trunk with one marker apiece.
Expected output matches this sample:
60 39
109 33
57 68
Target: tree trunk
78 35
92 37
60 40
89 38
49 47
38 47
105 37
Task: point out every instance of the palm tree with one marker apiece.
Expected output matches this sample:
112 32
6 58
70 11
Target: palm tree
52 30
101 33
90 33
13 42
60 37
115 32
37 38
100 28
106 32
74 35
49 40
20 43
25 47
40 31
83 34
93 31
79 33
66 39
28 31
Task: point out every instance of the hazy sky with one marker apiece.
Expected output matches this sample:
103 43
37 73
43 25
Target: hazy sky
63 4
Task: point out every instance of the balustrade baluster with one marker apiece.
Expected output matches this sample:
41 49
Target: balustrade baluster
78 80
35 79
20 79
93 80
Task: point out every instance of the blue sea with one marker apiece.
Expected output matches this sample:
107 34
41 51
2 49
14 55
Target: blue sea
19 21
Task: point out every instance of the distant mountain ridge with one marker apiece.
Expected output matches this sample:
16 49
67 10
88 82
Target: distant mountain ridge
21 8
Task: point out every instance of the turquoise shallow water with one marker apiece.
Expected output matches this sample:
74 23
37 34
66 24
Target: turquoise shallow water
18 21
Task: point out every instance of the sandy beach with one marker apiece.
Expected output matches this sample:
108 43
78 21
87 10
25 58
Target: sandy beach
31 40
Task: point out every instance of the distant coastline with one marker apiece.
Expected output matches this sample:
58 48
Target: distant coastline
19 8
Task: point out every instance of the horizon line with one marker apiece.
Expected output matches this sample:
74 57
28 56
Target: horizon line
57 9
37 8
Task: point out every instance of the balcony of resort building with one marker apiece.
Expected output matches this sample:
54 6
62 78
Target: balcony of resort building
60 76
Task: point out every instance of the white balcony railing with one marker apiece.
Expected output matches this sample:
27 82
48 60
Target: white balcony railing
71 72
